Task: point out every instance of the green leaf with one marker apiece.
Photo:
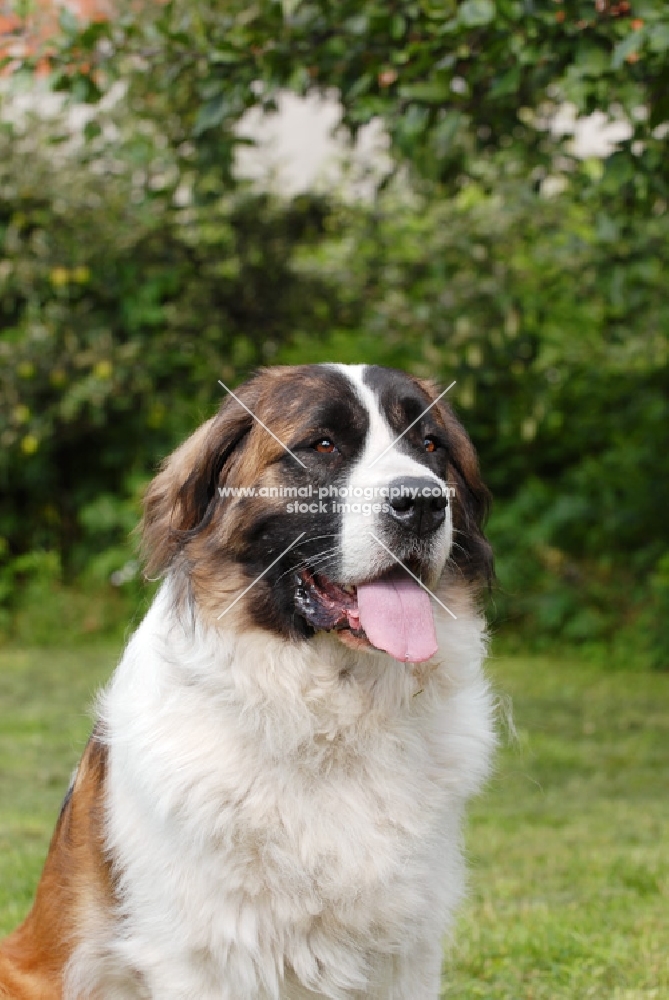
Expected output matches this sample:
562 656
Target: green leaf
591 61
68 22
474 13
626 48
659 38
92 130
429 92
446 131
507 83
211 114
397 27
357 25
289 7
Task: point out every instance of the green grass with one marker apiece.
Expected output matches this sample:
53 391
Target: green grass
45 719
569 846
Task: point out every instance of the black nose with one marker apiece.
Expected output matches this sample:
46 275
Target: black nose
418 504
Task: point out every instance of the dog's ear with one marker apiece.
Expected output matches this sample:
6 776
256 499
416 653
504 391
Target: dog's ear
472 553
180 501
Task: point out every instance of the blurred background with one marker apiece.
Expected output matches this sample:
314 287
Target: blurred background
174 209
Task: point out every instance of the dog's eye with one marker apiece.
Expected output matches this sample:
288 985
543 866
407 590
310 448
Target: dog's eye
430 444
325 446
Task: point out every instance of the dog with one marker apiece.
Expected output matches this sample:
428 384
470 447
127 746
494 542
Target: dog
270 803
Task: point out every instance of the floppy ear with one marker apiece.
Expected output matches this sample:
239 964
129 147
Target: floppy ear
180 501
472 552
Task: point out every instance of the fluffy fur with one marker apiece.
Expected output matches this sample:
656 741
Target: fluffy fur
281 809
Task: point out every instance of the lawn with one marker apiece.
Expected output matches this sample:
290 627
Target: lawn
569 846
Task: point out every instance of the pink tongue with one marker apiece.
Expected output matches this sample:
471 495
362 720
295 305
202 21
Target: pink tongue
397 617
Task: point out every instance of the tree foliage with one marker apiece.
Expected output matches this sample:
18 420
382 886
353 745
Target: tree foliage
138 269
454 81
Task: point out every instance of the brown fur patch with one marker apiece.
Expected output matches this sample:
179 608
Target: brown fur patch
76 877
181 528
179 498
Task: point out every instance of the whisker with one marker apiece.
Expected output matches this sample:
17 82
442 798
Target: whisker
312 561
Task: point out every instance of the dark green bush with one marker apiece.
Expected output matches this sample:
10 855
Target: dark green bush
135 271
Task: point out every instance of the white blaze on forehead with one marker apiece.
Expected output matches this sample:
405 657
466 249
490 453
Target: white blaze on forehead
380 438
362 557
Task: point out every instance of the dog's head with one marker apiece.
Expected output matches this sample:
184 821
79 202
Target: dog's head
320 498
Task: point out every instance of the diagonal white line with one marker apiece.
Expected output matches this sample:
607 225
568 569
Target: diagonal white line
258 420
419 582
412 424
261 575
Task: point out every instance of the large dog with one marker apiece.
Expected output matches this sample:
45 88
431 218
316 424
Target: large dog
270 805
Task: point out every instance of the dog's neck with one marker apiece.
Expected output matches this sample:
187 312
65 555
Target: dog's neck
291 693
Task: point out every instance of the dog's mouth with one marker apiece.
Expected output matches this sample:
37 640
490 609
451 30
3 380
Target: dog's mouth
392 613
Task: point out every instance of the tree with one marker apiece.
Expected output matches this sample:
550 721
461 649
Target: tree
455 81
550 311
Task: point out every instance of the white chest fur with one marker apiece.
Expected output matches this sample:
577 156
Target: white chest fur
286 817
